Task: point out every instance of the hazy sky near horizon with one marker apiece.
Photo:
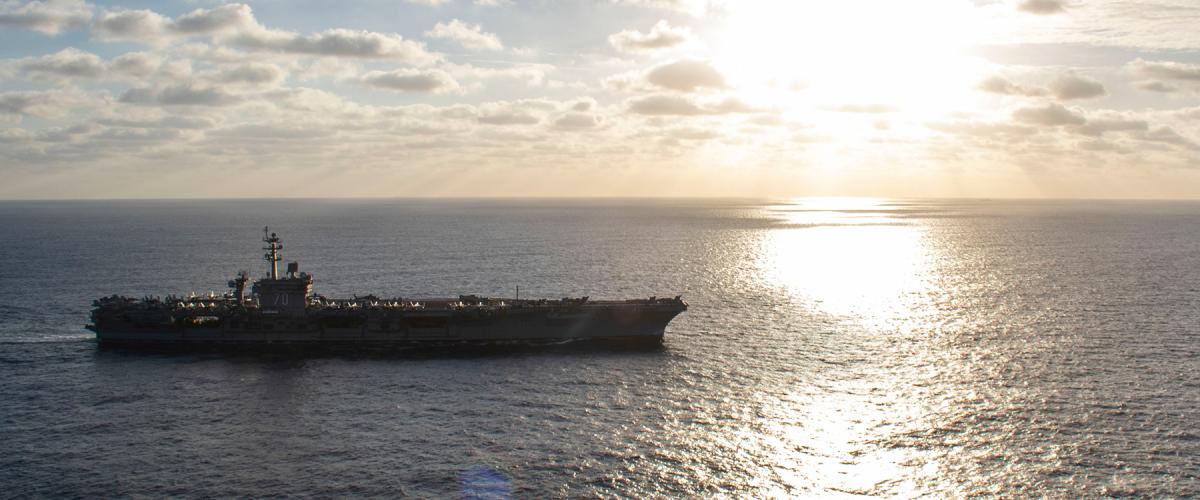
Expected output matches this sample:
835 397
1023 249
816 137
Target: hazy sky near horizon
978 98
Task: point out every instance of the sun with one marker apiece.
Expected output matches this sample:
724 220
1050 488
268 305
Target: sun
872 55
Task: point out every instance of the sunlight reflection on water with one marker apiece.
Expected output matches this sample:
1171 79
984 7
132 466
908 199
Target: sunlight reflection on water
848 262
858 262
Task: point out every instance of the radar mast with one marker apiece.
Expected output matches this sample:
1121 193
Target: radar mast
273 247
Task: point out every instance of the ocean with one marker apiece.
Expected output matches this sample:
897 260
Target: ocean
833 347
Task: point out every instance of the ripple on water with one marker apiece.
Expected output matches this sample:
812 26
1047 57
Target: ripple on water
833 348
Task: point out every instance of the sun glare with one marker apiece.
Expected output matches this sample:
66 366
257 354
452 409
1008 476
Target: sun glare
831 55
847 257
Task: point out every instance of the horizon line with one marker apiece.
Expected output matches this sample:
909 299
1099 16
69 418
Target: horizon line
600 198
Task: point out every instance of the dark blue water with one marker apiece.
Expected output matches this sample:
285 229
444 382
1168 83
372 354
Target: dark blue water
874 347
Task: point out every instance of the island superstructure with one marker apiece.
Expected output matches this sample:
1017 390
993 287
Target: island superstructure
281 308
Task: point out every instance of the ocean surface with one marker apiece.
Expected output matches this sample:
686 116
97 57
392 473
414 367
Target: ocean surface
833 347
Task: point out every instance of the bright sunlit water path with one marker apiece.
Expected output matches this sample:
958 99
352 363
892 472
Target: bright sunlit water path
834 347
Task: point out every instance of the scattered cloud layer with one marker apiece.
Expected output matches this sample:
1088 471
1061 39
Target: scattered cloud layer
93 94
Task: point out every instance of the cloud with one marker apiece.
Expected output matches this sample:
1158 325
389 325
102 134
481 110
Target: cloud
1054 124
989 131
626 82
1100 145
337 43
1002 86
74 64
661 36
215 20
1096 127
686 75
470 36
577 121
1106 26
428 3
692 134
520 112
862 108
64 64
44 104
271 132
1071 86
235 24
135 64
49 16
1067 86
583 104
666 105
310 100
136 25
180 95
533 74
412 80
149 26
143 137
1050 115
1165 76
1192 113
171 121
493 3
250 74
1042 7
732 105
67 134
508 118
1157 86
694 7
1168 135
1166 70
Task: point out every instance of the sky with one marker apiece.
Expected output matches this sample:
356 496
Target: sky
513 98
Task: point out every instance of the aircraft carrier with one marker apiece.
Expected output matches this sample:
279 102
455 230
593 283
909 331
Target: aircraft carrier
281 309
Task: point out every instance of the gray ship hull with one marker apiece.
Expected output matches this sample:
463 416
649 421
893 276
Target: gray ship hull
621 322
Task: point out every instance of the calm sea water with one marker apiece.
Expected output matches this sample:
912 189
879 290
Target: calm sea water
873 347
